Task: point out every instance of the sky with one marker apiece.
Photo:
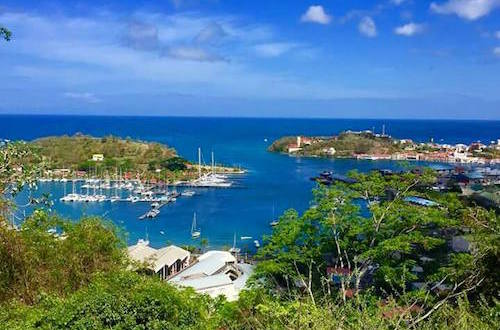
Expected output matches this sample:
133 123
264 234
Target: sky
262 58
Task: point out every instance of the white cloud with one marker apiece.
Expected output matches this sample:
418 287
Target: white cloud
274 49
496 51
397 2
497 34
367 27
467 9
64 53
84 97
316 14
409 29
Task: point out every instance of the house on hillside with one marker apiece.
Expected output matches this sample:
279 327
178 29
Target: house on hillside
163 262
215 273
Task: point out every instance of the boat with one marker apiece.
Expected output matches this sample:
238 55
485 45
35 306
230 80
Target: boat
153 213
257 244
155 204
195 232
243 238
234 249
210 180
162 232
274 223
188 193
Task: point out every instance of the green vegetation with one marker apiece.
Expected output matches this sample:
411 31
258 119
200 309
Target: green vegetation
79 279
5 33
148 160
34 260
76 152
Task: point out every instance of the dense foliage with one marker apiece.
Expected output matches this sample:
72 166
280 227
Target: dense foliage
48 254
374 240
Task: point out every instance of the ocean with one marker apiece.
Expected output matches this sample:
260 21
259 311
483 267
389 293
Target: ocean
273 182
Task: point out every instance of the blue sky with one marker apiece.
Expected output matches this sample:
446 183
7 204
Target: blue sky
330 58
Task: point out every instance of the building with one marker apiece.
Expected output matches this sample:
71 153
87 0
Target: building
163 262
215 273
97 157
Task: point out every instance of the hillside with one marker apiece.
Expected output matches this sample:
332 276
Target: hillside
346 144
77 153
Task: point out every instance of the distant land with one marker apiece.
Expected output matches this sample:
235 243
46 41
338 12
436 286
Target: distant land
369 145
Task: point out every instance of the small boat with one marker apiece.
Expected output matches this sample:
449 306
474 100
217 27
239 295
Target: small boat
162 232
245 237
274 223
155 204
257 244
188 193
195 233
234 249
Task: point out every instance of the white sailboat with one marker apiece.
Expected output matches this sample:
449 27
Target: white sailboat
274 222
210 180
234 249
195 232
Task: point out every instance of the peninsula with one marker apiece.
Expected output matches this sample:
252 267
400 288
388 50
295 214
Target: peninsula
82 156
368 145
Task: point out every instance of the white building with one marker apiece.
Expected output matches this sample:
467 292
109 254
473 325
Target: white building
164 262
215 273
97 157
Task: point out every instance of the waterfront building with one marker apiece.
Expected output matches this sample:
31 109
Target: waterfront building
163 262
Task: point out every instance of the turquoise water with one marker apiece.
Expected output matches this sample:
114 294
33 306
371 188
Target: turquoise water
272 179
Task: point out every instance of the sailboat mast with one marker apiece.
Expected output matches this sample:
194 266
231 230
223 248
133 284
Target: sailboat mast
199 163
193 225
213 163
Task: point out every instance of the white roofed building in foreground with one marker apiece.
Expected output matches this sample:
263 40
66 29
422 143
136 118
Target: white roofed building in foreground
164 262
215 273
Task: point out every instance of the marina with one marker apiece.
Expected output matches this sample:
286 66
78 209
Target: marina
246 208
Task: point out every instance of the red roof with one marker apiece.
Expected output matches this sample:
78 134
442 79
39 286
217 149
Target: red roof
338 271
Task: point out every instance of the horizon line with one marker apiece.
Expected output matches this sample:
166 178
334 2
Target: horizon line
237 117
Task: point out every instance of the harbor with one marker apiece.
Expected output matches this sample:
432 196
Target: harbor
246 207
137 191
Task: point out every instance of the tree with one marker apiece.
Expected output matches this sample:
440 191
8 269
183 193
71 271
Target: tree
36 259
373 237
5 33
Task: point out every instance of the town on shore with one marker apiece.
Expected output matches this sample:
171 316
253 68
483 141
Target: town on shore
373 146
